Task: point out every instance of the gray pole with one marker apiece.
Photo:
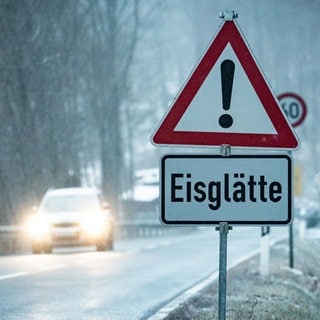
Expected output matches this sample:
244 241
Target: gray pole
224 230
291 254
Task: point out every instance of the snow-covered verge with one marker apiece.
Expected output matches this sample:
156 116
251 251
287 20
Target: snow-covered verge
287 294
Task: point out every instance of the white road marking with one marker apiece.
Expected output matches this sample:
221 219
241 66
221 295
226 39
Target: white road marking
13 275
149 247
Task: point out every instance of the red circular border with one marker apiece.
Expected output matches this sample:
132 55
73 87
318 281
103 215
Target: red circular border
302 103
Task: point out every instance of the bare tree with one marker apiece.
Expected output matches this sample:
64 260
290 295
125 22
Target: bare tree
65 75
112 31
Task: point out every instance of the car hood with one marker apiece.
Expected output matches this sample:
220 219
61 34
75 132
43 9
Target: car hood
68 217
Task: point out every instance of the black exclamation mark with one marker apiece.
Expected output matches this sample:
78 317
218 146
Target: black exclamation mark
227 73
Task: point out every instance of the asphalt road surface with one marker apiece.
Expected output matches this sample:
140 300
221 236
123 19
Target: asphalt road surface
131 282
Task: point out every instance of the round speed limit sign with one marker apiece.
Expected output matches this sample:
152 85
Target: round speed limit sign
294 107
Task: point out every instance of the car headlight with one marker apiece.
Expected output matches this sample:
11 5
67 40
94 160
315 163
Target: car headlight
38 227
93 225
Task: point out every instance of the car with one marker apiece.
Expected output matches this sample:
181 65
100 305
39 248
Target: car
71 216
308 211
311 216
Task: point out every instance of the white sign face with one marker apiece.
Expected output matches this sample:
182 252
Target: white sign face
246 118
244 189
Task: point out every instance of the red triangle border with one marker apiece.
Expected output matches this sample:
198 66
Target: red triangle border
228 33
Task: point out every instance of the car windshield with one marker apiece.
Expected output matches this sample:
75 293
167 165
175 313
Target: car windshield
70 203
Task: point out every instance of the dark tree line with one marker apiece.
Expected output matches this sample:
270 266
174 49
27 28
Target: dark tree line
64 70
84 83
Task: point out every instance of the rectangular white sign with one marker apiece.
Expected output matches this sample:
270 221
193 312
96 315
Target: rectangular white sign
240 189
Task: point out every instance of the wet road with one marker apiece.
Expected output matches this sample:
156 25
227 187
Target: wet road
131 282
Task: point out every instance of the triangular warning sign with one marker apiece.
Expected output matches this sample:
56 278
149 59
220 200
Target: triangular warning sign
226 100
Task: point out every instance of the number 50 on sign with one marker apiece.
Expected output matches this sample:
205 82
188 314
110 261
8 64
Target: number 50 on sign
294 108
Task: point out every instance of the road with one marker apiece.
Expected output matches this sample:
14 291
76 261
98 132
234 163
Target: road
131 282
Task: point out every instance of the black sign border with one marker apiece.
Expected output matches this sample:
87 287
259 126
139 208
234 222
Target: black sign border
214 222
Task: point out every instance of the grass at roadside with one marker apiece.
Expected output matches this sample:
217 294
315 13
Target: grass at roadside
292 294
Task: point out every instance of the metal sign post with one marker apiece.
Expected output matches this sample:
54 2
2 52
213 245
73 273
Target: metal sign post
224 230
291 250
291 253
227 189
295 109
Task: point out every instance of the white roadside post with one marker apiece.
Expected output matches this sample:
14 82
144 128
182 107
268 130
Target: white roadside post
265 253
302 229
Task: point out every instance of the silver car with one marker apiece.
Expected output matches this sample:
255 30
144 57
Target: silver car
71 216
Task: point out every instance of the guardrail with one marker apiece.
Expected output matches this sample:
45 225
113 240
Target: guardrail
13 239
146 229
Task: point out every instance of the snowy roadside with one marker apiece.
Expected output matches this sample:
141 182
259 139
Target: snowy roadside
285 294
